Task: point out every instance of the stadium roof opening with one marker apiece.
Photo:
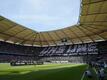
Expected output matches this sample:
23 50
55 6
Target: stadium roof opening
41 15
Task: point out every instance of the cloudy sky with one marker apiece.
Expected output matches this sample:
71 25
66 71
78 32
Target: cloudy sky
41 15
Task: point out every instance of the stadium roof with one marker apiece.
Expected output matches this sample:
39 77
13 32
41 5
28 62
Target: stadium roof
92 27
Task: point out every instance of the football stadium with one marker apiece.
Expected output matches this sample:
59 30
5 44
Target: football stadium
76 52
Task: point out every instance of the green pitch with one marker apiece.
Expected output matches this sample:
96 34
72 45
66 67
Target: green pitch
42 72
45 72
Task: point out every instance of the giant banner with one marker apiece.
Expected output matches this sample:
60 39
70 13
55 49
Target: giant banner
69 50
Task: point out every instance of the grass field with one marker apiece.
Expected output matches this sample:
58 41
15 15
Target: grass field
44 72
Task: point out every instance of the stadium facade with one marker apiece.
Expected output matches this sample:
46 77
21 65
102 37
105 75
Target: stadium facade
87 40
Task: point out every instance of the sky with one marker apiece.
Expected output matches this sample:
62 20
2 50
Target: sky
41 15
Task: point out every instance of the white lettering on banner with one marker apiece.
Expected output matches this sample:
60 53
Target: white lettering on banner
81 49
52 50
42 52
92 47
69 49
61 49
72 49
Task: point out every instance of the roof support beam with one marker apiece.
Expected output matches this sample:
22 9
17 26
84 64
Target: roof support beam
101 31
15 35
95 14
75 35
93 31
67 36
99 10
87 35
92 22
45 39
52 38
9 36
34 39
87 11
96 27
58 36
26 36
40 40
10 28
94 2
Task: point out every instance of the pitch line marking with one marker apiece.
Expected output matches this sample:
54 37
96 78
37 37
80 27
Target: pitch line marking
95 70
83 74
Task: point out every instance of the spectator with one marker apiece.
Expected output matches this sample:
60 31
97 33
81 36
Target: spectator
101 74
